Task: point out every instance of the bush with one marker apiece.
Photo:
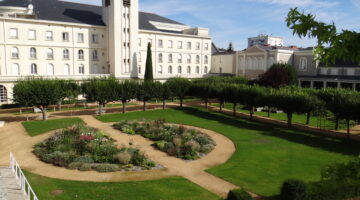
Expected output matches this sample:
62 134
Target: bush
293 190
124 157
84 159
85 167
75 165
239 194
106 168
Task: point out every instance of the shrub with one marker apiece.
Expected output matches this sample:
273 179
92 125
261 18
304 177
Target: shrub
293 190
84 159
239 194
106 168
85 167
75 165
207 148
160 144
194 146
124 157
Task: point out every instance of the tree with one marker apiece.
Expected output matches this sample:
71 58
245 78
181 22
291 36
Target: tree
145 92
149 65
231 94
279 75
203 89
179 87
69 90
332 44
230 48
251 96
126 91
101 90
37 92
164 93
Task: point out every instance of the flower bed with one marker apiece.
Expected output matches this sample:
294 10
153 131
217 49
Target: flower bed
84 148
179 141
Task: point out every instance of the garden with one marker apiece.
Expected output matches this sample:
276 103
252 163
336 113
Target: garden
84 148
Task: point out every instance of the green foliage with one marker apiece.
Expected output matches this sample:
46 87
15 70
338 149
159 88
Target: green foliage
293 190
149 65
231 47
332 44
238 194
125 92
279 75
106 168
179 87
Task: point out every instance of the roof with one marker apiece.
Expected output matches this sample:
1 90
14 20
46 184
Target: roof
341 63
63 11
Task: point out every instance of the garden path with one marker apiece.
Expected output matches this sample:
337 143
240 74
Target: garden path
13 138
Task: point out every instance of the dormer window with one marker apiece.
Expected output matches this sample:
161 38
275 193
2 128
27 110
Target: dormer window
107 3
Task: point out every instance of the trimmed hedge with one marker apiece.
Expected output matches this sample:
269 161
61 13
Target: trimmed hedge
293 190
239 194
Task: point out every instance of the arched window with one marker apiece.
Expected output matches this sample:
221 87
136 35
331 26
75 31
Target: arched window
95 55
179 69
188 58
15 69
220 70
81 54
170 58
170 70
33 69
14 52
3 94
303 64
206 60
50 54
160 69
160 57
205 70
188 70
50 69
197 59
81 69
66 69
179 58
33 53
197 69
66 54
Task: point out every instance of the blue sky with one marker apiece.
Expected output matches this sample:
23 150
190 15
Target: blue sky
236 20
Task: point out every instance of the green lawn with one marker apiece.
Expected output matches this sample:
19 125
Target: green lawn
266 155
297 118
35 128
167 189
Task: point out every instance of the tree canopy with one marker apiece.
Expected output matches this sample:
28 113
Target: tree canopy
279 75
149 65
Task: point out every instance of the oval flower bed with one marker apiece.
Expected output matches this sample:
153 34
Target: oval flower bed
84 148
179 141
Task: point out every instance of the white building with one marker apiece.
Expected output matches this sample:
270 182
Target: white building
265 40
59 39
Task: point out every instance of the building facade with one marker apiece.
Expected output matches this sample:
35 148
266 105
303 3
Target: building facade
265 40
58 39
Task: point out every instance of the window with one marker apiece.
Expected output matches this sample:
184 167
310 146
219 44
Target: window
160 58
189 70
139 57
188 58
96 69
139 69
179 69
197 69
139 42
170 58
66 54
81 69
206 46
170 45
95 38
160 69
205 70
160 43
170 70
66 69
15 69
179 58
80 37
197 59
15 53
189 45
50 69
303 64
95 55
180 45
33 69
49 35
65 36
50 54
3 94
198 46
33 53
32 35
206 60
220 70
13 33
81 54
107 3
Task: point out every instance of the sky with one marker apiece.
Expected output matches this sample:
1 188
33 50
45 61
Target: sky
236 20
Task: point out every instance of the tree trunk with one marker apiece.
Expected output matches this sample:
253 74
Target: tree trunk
44 114
181 102
144 106
252 112
348 128
336 123
268 113
221 106
100 109
164 104
289 116
234 109
59 106
308 118
123 106
206 104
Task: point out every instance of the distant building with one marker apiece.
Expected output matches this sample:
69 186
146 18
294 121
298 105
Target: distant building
265 40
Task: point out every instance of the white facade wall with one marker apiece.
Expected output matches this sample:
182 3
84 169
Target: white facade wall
224 63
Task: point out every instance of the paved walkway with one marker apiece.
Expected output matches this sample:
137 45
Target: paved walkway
13 138
9 189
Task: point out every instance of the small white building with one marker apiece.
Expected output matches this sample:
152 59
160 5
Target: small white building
265 40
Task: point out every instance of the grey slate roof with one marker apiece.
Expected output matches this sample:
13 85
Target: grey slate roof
62 11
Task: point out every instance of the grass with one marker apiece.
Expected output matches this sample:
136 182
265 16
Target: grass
169 189
266 154
35 128
315 121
